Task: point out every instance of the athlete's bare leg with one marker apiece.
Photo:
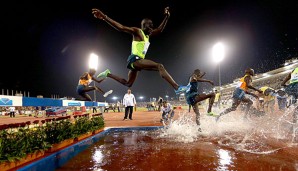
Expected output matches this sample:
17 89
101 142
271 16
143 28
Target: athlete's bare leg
149 65
132 75
145 64
202 97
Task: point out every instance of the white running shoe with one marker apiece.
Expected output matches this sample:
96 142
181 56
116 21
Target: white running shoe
108 93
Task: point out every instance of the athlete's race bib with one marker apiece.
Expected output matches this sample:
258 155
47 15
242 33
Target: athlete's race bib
89 81
146 48
294 76
239 84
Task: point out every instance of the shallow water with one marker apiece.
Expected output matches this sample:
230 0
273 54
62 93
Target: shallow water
231 144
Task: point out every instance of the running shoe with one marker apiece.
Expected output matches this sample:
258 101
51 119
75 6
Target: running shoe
104 74
182 89
108 93
211 114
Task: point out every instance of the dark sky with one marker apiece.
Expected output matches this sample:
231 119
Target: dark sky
47 43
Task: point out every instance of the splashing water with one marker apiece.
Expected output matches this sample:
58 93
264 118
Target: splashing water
231 131
184 129
286 126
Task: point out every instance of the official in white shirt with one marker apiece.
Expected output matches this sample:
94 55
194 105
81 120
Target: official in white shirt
12 111
129 101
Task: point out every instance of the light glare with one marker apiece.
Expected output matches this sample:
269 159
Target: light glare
218 52
93 61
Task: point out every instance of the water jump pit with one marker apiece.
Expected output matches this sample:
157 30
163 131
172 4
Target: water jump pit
232 144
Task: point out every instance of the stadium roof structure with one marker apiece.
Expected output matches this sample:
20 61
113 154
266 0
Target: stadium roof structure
287 67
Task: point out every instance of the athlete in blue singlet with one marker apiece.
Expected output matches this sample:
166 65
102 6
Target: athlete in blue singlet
193 97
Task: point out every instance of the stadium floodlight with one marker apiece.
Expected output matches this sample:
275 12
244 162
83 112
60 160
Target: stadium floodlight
218 54
93 62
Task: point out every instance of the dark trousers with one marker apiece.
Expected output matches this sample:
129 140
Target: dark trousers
12 114
128 110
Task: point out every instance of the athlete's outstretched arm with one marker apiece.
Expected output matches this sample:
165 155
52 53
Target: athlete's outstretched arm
100 15
248 83
202 75
252 94
199 79
162 25
97 80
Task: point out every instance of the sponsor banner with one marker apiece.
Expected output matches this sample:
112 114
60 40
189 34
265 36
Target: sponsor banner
73 103
87 103
102 104
33 101
10 100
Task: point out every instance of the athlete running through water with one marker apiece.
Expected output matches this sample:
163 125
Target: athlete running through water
193 97
240 92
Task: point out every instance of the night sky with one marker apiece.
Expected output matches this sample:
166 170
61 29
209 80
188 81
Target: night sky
46 44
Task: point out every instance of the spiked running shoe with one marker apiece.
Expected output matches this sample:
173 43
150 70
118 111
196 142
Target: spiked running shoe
108 93
182 89
104 74
211 114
